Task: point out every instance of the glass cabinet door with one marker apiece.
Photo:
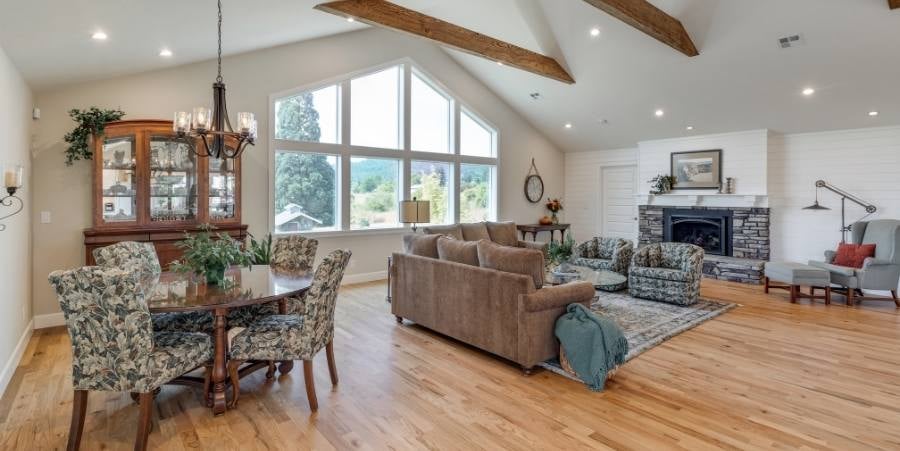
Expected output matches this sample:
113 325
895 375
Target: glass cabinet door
173 180
119 190
221 189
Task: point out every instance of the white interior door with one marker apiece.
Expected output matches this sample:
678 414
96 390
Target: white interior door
618 207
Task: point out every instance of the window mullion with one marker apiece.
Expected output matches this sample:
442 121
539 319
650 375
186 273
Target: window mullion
344 178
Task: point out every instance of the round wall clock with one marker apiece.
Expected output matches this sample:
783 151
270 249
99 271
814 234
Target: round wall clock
534 185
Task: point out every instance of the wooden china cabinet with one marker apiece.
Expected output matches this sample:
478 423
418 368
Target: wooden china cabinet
148 186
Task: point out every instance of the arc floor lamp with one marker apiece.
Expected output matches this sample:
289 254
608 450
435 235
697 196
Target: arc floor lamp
845 196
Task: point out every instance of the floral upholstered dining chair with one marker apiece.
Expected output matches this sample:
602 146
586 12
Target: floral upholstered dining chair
289 253
141 257
298 336
129 256
114 347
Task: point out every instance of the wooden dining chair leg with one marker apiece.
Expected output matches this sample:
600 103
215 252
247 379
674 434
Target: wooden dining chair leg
332 367
270 373
310 385
146 414
233 366
207 383
79 407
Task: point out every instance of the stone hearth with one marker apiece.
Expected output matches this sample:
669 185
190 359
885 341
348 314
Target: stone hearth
750 245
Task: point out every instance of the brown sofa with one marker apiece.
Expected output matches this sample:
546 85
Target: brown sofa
503 233
501 312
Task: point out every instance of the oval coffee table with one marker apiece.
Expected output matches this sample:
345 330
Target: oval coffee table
602 279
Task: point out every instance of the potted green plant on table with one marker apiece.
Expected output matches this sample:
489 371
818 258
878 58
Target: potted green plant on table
260 250
560 253
210 256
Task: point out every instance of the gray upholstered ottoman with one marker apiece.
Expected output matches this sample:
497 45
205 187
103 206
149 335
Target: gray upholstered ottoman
793 275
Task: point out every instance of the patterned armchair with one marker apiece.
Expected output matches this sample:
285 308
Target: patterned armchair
667 272
612 254
114 347
296 336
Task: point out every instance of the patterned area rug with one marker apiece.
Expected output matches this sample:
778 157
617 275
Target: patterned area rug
648 323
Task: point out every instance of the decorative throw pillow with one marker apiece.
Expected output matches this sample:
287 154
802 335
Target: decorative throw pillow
465 252
503 233
529 262
453 231
423 245
474 231
853 255
654 256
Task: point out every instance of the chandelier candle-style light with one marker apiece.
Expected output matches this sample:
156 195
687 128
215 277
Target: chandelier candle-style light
212 126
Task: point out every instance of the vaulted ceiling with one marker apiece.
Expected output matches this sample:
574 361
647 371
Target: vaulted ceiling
741 80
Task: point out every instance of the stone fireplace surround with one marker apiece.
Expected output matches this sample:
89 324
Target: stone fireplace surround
750 241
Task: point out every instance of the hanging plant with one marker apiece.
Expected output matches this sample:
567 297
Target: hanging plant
90 122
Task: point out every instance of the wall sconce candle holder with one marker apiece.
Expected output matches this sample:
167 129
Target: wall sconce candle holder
12 178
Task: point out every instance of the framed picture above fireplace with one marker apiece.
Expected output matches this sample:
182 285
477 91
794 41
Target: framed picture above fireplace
699 169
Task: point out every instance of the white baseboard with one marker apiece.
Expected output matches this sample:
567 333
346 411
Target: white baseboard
351 279
10 368
49 320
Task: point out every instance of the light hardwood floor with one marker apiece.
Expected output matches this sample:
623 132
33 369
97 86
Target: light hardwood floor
766 375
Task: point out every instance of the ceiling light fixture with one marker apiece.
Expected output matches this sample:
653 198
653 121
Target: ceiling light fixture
659 113
499 63
568 125
595 32
99 36
351 20
873 113
165 53
809 91
689 127
212 126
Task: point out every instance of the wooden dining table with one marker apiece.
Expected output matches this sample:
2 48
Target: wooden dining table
259 284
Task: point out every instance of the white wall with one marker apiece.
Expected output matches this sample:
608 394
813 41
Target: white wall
864 162
15 241
582 197
743 157
251 78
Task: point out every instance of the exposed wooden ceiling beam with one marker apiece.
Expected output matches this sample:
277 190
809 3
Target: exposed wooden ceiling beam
894 4
651 20
385 14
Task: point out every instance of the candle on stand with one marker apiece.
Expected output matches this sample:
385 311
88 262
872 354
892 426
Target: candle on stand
245 122
12 177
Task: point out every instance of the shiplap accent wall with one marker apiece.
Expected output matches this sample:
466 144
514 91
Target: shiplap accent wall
582 196
864 162
743 157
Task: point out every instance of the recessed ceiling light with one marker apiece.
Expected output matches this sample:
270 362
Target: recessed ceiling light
595 32
351 20
499 63
809 91
689 127
99 36
659 113
873 113
568 125
165 53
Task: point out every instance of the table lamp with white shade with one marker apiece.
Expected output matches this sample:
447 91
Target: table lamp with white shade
415 212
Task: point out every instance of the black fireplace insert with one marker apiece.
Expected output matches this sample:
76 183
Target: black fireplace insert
709 229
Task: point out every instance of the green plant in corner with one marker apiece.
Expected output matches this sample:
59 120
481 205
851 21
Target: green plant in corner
90 122
210 256
260 250
561 251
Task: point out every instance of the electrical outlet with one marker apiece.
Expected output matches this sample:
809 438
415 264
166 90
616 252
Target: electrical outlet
46 218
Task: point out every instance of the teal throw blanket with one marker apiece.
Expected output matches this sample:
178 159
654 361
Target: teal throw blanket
594 345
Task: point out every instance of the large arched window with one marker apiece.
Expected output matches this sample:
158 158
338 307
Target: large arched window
347 151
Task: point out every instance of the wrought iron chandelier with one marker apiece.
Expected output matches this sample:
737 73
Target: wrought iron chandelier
213 127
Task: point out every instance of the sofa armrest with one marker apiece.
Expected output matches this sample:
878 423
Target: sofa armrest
829 256
558 296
